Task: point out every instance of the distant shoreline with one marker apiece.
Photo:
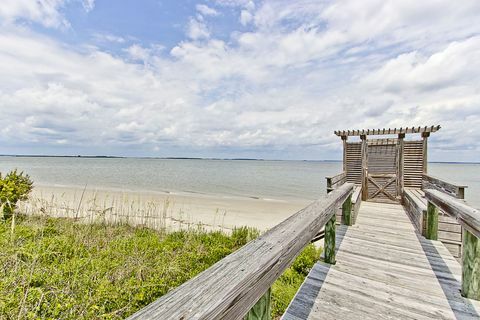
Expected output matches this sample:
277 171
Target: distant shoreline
190 158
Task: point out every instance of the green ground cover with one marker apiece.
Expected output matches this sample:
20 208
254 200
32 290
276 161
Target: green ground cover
60 269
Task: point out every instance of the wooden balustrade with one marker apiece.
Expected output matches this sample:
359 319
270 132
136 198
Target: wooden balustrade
457 191
233 286
336 181
469 219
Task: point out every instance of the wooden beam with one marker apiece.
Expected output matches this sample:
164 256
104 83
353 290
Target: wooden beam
430 182
347 211
364 167
233 285
371 132
400 164
344 140
330 240
432 222
470 266
262 309
425 136
467 216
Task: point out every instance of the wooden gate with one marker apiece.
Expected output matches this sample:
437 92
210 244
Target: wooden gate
382 170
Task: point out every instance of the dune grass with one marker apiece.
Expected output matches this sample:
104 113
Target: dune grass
54 268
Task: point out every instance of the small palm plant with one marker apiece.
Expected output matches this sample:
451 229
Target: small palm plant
14 187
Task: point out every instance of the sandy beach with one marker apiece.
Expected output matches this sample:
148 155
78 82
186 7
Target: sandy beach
160 209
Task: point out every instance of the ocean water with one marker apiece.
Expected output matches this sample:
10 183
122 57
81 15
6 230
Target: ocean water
236 178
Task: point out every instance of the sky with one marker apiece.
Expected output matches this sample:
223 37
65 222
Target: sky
235 78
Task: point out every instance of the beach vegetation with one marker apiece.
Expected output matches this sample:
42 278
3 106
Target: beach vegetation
14 186
59 268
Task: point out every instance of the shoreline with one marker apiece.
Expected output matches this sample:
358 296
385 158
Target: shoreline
157 209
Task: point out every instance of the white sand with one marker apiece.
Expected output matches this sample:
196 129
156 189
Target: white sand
154 208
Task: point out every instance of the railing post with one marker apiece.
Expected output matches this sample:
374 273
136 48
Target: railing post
329 185
470 266
261 310
330 240
347 211
432 222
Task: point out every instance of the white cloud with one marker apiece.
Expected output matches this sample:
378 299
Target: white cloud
304 69
45 12
197 29
108 37
245 17
206 10
88 5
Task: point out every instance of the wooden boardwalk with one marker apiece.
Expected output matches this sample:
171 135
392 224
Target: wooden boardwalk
384 270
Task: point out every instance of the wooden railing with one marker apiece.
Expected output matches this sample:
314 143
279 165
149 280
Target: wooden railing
469 219
457 191
239 284
334 182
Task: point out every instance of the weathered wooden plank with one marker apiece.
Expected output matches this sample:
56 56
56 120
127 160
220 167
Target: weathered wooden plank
230 288
384 270
467 216
430 182
395 131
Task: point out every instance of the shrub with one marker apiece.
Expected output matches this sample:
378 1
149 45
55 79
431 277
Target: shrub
14 186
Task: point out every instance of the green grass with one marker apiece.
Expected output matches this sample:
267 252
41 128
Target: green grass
58 269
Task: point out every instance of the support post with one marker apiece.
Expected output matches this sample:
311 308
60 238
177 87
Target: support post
330 240
425 136
400 164
329 185
347 211
261 310
364 167
432 222
470 266
344 140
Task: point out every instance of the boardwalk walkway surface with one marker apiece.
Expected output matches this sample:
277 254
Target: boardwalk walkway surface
384 270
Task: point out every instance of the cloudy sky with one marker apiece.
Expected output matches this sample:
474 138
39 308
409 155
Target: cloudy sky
235 78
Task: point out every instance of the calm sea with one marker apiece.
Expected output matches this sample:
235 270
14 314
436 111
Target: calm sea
242 178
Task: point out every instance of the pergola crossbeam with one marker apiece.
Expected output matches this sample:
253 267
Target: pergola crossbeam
376 132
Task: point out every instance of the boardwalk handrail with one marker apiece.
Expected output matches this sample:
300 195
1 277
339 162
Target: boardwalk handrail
430 182
336 181
232 286
469 218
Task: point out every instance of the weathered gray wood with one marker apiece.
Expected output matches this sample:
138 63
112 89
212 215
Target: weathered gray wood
329 246
230 288
336 181
425 136
364 167
371 132
400 164
429 182
432 222
384 270
262 309
467 216
471 266
356 202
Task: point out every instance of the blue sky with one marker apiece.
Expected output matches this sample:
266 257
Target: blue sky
235 78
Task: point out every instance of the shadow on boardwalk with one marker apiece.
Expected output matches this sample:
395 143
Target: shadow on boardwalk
450 285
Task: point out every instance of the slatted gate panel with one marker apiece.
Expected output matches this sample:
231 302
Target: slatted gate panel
354 162
382 168
413 164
